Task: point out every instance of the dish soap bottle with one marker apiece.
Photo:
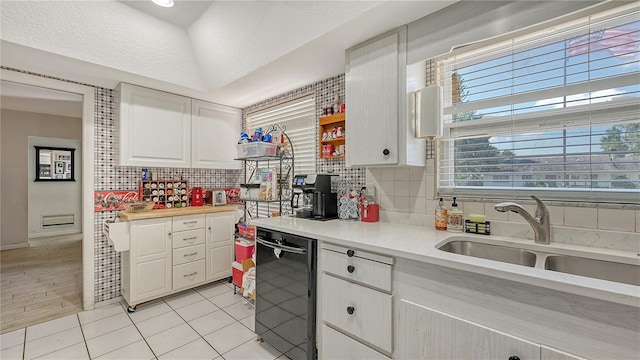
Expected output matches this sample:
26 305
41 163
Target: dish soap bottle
441 216
455 218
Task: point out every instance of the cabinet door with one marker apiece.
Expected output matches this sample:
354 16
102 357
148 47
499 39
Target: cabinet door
150 272
425 333
372 86
339 346
547 353
154 127
215 130
219 245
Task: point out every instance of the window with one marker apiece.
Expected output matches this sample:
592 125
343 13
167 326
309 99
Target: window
297 118
561 106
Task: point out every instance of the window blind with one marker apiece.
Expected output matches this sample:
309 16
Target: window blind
297 118
554 110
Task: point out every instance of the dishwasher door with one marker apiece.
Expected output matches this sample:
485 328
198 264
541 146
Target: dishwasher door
286 292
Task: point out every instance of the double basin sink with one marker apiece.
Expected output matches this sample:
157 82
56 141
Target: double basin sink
569 264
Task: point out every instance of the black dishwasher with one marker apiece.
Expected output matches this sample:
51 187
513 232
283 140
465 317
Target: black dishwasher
286 292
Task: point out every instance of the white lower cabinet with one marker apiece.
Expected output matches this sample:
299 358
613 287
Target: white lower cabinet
219 245
339 346
172 254
425 333
147 265
356 304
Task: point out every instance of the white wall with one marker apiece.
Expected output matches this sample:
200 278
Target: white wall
15 128
56 197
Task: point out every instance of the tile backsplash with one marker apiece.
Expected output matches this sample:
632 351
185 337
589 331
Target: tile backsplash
408 195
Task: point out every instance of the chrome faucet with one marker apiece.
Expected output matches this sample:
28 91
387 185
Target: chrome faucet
540 223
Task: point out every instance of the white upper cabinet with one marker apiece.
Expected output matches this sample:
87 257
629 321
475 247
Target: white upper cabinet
380 131
154 127
215 130
159 129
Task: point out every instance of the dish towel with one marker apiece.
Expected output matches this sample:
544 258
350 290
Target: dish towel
249 281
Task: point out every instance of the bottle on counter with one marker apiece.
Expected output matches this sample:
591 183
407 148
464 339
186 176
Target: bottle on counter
455 218
441 216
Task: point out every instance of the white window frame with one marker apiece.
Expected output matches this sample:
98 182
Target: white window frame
445 177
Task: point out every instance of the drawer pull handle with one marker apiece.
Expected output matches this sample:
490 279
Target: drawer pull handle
192 274
350 253
191 238
350 268
189 222
514 357
350 310
192 254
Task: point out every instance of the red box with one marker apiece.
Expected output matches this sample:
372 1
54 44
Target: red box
244 249
236 271
247 231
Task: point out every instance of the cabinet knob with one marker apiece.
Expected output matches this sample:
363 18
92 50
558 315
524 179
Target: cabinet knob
385 152
514 357
209 228
169 234
351 309
350 253
350 268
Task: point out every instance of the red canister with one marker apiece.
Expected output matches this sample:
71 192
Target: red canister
196 196
370 213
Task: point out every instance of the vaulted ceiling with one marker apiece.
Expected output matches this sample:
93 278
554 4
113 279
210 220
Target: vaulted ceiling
231 52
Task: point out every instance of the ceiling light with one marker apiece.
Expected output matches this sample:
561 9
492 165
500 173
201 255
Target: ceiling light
163 3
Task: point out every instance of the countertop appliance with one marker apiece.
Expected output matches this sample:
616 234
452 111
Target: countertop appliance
286 292
318 201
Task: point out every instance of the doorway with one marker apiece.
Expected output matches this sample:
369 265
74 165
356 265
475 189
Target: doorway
67 245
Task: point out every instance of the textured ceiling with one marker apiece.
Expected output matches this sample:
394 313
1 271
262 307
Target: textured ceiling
235 52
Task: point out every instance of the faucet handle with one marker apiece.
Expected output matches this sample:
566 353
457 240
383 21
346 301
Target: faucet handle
541 209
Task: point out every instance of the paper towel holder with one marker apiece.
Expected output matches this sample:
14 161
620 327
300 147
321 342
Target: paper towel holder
429 112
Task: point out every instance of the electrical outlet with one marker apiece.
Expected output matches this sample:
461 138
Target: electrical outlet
371 190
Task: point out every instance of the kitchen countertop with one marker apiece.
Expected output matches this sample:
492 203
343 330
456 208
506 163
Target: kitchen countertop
419 243
190 210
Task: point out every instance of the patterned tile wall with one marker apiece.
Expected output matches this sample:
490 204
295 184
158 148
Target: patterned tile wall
325 92
109 176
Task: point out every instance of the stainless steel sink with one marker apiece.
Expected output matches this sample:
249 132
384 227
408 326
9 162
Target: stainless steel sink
492 252
599 269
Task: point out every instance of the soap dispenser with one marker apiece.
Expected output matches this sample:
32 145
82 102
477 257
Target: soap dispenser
441 216
455 218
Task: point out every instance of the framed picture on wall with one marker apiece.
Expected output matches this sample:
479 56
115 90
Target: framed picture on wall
54 164
59 167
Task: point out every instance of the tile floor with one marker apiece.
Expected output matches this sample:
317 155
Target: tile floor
209 322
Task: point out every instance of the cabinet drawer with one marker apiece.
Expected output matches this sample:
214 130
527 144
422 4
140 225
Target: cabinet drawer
370 318
188 238
188 254
189 274
188 222
366 268
336 345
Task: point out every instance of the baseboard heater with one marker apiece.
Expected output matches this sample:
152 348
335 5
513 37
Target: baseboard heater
56 221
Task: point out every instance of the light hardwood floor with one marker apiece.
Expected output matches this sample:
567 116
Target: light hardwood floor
41 282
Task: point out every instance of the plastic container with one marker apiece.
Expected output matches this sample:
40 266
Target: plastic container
455 218
253 149
236 273
441 216
244 249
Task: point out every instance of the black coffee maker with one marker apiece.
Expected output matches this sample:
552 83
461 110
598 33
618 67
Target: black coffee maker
312 197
